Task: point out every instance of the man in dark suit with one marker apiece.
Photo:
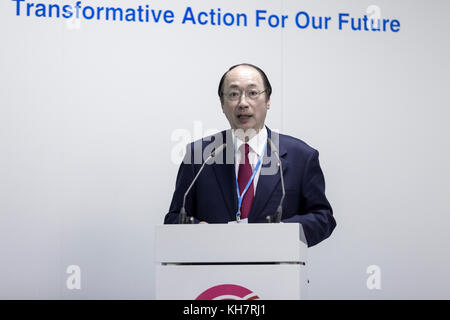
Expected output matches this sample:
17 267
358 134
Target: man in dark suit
243 182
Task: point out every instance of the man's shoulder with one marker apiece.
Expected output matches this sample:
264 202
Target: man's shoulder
201 148
293 144
286 142
216 138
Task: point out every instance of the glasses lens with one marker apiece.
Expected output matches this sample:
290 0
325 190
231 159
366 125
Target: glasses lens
235 95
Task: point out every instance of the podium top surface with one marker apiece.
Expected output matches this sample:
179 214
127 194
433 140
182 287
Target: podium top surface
230 243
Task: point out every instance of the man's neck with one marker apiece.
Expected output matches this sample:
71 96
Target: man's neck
246 135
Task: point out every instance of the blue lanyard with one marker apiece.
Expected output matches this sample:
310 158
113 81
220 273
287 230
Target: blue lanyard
241 196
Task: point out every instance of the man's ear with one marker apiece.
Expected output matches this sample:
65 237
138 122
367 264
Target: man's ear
268 104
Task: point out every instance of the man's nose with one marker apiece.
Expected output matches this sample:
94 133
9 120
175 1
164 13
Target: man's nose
243 102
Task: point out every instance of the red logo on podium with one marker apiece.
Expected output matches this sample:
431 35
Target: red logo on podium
227 292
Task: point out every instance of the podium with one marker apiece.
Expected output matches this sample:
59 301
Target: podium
230 262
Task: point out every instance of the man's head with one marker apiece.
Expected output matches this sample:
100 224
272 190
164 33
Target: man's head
244 92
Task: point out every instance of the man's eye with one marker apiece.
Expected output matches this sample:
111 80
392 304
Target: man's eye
234 94
252 93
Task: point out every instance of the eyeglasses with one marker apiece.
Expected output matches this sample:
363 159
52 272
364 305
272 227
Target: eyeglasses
235 95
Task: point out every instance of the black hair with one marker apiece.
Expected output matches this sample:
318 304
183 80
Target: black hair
267 86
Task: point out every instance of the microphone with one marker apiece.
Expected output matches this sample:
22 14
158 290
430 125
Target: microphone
277 217
183 218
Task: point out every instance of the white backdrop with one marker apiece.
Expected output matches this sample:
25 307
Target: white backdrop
88 109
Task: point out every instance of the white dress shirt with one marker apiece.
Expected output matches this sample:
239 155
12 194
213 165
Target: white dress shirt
256 149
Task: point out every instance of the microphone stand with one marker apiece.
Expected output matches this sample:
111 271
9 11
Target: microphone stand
183 218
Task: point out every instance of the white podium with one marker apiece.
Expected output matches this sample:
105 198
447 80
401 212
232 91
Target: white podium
230 261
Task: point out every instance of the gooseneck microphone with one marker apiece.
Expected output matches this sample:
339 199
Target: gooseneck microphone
277 217
183 218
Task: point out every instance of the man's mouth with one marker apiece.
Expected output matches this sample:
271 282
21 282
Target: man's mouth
243 118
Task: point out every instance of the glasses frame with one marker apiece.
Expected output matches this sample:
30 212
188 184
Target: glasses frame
241 93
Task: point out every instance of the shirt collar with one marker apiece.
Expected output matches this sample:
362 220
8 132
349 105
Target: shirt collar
256 143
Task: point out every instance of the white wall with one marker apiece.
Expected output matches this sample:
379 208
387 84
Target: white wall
87 114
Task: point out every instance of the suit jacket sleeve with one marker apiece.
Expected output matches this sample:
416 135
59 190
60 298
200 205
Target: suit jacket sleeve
316 214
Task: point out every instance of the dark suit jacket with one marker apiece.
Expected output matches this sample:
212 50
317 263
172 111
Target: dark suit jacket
213 198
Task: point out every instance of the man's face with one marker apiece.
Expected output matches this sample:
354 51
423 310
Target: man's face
245 113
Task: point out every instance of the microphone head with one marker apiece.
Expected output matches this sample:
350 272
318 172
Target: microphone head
218 150
272 145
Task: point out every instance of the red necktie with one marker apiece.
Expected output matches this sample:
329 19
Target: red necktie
244 175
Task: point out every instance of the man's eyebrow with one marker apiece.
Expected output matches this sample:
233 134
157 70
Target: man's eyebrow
232 86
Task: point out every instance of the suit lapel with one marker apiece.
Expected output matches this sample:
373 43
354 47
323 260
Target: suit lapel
267 183
226 175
